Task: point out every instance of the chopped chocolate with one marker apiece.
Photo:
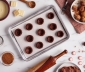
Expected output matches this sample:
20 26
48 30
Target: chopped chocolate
50 39
50 15
18 32
29 38
39 45
52 26
40 32
60 33
69 69
82 2
40 21
28 50
28 26
83 44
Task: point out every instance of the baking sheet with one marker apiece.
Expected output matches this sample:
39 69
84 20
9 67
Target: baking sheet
21 43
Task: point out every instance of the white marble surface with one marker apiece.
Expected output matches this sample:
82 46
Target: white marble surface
19 64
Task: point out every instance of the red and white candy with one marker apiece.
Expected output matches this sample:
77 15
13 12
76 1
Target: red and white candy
80 63
80 57
70 59
73 53
84 66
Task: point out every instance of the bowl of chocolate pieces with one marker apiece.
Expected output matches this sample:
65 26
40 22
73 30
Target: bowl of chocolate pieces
68 67
78 11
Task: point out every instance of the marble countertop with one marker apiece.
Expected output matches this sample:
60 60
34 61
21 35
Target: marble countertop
73 44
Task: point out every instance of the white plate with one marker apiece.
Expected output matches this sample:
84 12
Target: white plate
72 13
66 64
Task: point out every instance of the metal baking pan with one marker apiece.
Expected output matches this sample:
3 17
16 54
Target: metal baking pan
36 52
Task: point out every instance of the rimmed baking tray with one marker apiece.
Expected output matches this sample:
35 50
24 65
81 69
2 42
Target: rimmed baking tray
47 46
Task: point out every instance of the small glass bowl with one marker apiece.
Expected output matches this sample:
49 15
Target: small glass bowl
1 40
2 60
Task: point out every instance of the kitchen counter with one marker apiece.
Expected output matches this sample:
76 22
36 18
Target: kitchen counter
73 44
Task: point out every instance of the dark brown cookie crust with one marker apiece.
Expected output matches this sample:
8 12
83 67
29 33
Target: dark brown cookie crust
28 50
39 45
18 32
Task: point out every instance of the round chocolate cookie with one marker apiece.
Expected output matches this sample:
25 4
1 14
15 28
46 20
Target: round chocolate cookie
28 50
60 33
40 32
29 38
49 39
28 26
40 21
52 26
39 45
18 32
50 15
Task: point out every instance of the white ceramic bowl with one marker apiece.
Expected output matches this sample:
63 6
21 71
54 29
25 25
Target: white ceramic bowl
72 13
67 64
3 62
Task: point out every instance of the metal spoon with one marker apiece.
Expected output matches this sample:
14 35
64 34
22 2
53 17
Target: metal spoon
31 4
65 6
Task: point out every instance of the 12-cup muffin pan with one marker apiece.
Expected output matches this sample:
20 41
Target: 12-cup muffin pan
39 33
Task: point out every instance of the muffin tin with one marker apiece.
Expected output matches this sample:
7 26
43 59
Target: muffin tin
39 33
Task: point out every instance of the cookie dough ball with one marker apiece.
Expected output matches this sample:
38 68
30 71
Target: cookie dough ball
74 8
83 19
82 3
77 17
81 8
83 13
18 32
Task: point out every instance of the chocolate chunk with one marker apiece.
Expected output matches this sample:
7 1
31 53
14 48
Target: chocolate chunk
83 43
29 38
28 50
40 32
28 26
50 39
52 26
18 32
39 45
82 2
69 69
60 33
40 21
50 15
